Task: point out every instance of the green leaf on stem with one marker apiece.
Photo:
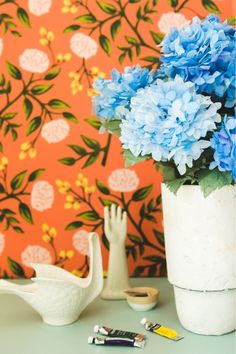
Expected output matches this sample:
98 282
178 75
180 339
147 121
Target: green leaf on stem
33 125
134 253
105 44
107 202
91 159
232 20
18 229
94 122
68 161
135 239
151 59
71 28
23 17
115 28
87 18
142 193
40 89
27 107
131 40
89 215
106 7
58 104
210 180
25 213
157 37
105 241
16 34
102 187
122 57
210 6
154 258
51 74
17 181
2 189
15 267
9 115
113 126
173 3
13 71
69 116
35 174
130 159
74 225
79 150
159 237
2 80
168 172
152 271
91 143
174 185
138 271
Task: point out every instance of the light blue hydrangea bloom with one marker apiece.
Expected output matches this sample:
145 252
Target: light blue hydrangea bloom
224 144
168 120
115 94
204 53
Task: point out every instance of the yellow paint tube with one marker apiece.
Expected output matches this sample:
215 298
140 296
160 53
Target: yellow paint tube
161 330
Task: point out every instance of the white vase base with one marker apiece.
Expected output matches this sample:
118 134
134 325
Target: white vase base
206 312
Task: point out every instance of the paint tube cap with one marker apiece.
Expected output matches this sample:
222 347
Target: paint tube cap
90 340
143 321
96 328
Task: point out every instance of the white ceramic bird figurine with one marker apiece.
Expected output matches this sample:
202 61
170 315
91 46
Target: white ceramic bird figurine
57 295
115 226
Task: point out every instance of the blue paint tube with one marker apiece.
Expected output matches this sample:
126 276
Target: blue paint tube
116 342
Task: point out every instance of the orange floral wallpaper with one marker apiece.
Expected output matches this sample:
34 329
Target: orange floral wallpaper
57 170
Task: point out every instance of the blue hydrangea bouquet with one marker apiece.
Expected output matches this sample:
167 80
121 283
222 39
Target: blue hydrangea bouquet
181 115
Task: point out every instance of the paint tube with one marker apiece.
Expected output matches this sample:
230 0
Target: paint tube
118 333
161 330
116 342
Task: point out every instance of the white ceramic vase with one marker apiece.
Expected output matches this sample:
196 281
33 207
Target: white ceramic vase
200 241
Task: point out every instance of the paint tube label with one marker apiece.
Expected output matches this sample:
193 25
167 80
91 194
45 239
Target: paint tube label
161 330
118 333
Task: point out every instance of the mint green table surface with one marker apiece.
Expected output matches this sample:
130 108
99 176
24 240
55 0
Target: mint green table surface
23 332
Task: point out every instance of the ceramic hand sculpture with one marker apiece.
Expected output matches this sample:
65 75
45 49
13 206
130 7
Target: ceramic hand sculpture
57 295
115 230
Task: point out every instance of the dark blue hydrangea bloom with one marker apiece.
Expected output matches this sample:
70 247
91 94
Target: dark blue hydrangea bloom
224 144
116 93
204 53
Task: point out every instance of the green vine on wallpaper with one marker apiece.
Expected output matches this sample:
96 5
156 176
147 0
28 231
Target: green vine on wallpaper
8 22
117 12
91 218
15 189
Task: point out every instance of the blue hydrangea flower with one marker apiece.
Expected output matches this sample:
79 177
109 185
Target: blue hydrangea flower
115 94
224 144
204 53
168 120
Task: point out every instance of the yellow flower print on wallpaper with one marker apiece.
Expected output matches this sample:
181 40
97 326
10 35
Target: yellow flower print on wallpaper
57 169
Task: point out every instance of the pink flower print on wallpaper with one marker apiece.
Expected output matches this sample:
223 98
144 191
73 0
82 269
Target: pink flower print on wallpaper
35 254
80 242
2 242
123 180
39 7
34 61
55 131
42 196
170 20
1 46
83 46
